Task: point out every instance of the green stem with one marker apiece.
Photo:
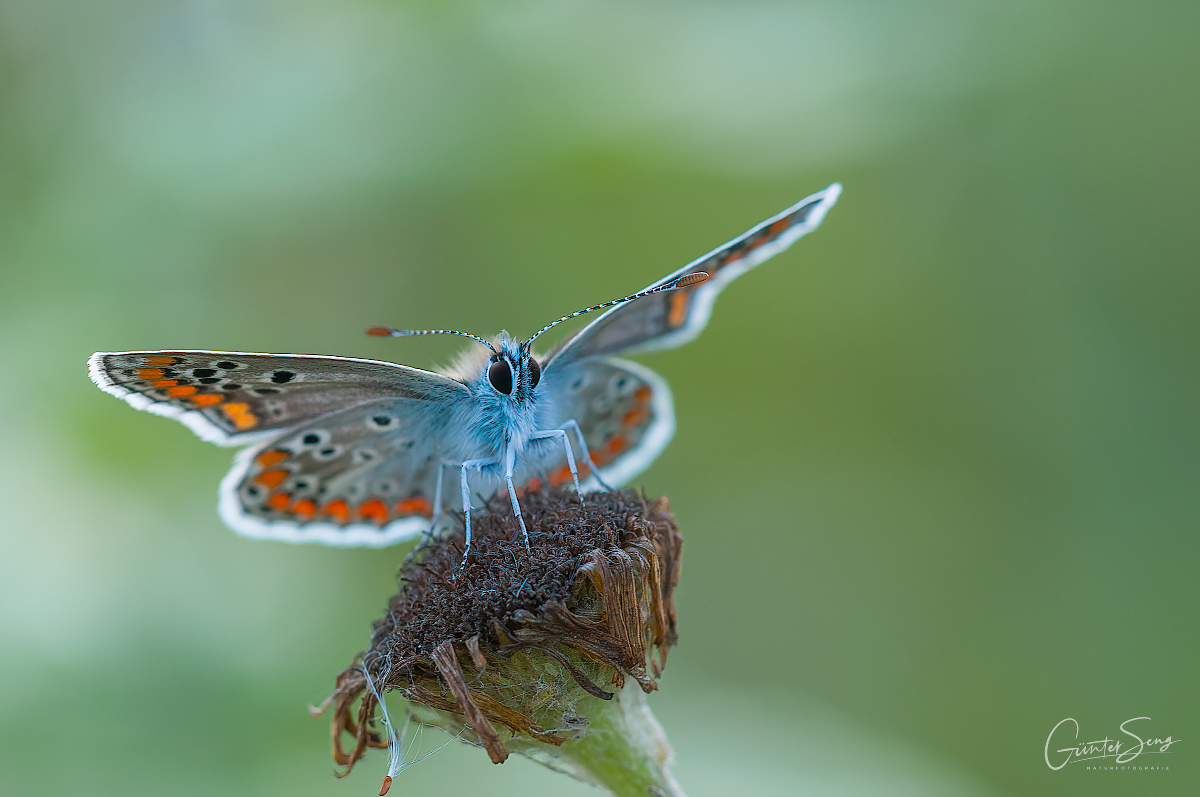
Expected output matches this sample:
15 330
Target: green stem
624 749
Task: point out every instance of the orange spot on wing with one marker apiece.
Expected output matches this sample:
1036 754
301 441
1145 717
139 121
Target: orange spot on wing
206 399
305 508
161 361
273 457
416 505
150 373
181 390
373 509
634 417
163 382
239 412
271 478
677 313
534 484
279 501
643 393
778 227
337 510
616 444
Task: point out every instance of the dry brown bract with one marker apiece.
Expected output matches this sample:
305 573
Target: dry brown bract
514 644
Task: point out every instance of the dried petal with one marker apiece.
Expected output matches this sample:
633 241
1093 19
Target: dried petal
447 664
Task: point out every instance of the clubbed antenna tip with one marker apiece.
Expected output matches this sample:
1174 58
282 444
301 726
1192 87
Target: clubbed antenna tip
390 332
694 278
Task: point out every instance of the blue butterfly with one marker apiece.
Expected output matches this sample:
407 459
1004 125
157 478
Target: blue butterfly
346 451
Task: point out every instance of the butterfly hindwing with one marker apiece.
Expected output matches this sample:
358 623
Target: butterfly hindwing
232 398
361 476
673 317
623 409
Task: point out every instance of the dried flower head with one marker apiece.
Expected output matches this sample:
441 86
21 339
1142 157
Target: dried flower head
529 649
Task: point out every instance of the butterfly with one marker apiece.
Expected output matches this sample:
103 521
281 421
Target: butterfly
346 451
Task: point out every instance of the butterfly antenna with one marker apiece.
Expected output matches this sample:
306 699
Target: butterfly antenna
695 278
388 332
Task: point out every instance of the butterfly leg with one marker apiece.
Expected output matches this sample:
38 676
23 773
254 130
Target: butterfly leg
510 459
438 506
512 496
562 435
477 464
587 455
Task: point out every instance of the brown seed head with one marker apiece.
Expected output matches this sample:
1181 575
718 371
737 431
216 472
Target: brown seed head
510 648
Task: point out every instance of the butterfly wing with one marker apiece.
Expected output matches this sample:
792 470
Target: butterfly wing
623 409
670 318
346 448
360 476
234 398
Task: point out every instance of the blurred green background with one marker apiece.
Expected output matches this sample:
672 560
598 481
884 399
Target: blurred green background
936 465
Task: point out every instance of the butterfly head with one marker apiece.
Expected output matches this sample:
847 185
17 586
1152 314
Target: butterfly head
512 369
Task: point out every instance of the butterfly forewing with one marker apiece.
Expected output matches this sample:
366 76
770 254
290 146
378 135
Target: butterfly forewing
670 318
233 398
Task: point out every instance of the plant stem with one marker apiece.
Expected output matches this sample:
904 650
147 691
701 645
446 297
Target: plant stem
624 749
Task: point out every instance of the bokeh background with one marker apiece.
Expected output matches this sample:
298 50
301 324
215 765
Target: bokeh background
936 465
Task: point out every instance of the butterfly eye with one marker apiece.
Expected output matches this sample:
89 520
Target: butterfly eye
500 375
535 372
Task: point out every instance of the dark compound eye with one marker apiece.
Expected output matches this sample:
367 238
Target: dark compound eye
500 375
535 372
